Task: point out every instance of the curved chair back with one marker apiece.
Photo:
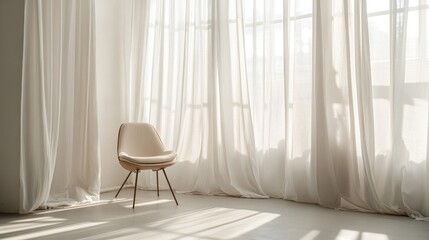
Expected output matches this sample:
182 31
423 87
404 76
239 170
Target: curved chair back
139 139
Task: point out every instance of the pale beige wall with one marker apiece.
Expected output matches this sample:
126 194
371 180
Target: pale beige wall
11 37
111 17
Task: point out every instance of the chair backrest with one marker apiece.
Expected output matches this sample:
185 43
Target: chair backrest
139 139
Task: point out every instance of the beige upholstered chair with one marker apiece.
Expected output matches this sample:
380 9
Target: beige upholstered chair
141 148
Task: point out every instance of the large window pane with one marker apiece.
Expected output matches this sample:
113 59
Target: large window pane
426 13
303 42
379 37
377 5
302 7
412 48
277 9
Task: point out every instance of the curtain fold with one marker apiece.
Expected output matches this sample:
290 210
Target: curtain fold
59 141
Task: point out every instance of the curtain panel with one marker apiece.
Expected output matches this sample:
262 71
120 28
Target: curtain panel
321 102
59 141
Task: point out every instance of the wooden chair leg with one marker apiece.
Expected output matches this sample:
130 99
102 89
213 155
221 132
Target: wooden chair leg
157 183
123 184
135 188
170 186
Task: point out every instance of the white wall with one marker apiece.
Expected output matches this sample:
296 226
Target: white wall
110 34
11 37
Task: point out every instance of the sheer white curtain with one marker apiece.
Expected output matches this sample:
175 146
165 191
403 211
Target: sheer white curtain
399 40
189 79
314 101
59 142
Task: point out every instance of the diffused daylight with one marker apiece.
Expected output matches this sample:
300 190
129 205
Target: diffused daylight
214 119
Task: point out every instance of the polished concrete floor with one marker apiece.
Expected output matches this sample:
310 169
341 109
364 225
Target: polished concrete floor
205 217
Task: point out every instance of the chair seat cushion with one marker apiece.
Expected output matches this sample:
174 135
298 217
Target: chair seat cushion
167 156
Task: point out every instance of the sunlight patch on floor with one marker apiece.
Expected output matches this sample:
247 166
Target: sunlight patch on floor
346 234
224 223
84 205
56 230
374 236
311 235
29 223
156 202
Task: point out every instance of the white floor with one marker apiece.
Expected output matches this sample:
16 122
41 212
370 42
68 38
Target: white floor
206 217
